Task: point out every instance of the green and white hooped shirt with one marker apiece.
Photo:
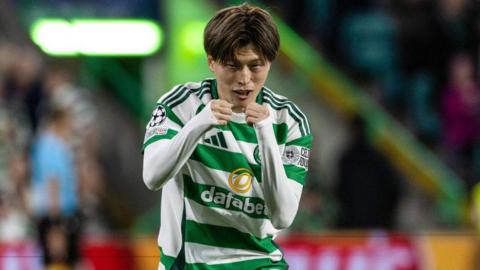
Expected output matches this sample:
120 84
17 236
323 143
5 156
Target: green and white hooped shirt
227 190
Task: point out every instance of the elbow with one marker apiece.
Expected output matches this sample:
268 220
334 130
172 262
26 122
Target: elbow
281 222
152 175
151 181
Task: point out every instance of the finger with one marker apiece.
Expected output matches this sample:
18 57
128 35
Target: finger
222 108
254 113
256 108
214 106
251 120
221 116
218 103
224 103
225 110
251 106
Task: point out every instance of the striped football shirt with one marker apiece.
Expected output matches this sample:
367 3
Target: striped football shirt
213 212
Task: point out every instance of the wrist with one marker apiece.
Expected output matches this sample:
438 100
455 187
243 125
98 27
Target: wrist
206 116
264 123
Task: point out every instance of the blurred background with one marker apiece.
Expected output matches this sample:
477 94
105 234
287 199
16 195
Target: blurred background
391 88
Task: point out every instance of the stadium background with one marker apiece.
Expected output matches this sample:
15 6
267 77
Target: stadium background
402 196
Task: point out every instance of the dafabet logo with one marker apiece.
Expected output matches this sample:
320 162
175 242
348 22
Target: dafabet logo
240 180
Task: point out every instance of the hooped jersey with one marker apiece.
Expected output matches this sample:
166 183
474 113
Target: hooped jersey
213 213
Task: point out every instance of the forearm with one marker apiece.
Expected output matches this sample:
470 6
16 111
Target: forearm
282 195
163 159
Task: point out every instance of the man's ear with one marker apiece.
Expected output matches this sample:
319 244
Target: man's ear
211 63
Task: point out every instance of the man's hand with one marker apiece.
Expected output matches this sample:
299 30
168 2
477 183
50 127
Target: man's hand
222 110
256 113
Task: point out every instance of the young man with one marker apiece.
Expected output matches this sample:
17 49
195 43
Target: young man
229 154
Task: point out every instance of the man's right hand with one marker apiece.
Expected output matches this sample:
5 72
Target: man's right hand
222 110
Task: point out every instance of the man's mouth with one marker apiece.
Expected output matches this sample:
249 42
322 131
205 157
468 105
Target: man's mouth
242 94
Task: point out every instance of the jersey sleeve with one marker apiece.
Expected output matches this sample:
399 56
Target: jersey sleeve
295 158
163 125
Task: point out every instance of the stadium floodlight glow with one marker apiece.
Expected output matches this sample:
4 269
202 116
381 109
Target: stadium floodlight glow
191 37
97 37
54 36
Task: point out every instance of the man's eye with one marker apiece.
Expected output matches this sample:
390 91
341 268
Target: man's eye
255 67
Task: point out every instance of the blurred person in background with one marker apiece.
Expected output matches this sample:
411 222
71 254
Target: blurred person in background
368 188
23 89
54 188
15 219
14 171
460 110
60 88
92 197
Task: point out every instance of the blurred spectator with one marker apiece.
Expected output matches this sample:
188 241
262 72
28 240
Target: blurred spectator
368 41
14 222
23 83
19 177
423 109
54 186
60 89
422 37
368 188
14 174
91 194
461 115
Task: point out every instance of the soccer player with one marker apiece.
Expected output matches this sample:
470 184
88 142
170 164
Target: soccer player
229 154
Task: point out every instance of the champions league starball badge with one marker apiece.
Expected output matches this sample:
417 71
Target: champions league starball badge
158 116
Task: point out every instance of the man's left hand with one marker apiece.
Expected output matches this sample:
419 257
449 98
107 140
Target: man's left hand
256 113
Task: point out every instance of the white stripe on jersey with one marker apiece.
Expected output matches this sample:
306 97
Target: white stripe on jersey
198 253
204 175
222 217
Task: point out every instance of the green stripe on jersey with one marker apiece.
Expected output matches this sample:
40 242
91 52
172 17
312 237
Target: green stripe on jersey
259 264
179 91
166 261
295 173
246 133
225 237
203 93
222 160
278 104
171 115
305 141
171 94
218 197
170 134
187 93
200 108
226 161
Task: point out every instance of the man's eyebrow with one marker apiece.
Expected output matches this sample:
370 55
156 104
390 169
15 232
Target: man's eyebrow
249 62
256 61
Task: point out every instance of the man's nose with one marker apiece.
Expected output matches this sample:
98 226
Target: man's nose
244 75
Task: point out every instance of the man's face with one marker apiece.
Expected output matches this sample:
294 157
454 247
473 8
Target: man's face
240 81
